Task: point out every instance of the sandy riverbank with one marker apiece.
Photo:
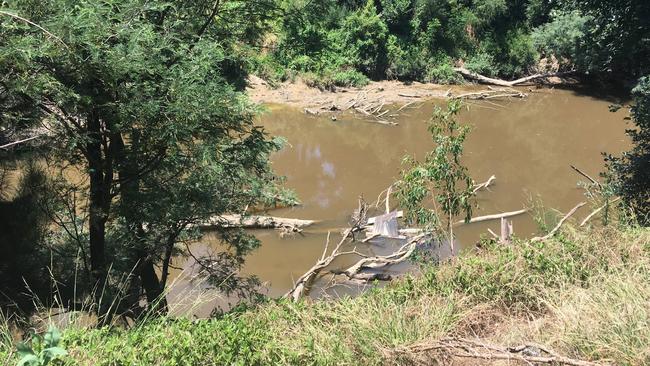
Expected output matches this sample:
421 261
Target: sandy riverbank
298 94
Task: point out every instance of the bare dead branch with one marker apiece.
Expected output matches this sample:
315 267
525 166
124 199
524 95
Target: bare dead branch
592 180
596 211
527 354
19 142
486 184
486 80
559 224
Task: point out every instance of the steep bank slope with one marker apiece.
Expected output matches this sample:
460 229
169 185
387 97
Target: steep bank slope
583 294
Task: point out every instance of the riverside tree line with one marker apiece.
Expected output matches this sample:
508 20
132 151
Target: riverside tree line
143 103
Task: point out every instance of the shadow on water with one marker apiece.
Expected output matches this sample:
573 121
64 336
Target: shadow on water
615 93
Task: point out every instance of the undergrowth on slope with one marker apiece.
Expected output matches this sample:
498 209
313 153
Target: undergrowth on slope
584 293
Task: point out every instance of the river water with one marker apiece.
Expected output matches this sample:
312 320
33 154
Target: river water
527 144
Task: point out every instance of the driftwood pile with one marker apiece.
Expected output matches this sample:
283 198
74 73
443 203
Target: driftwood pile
372 268
375 110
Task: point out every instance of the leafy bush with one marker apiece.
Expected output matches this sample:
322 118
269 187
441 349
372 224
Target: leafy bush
563 37
519 54
303 63
43 349
350 78
443 73
270 70
482 63
329 80
409 64
630 173
365 37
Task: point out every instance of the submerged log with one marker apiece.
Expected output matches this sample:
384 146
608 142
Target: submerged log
371 221
386 225
255 222
491 94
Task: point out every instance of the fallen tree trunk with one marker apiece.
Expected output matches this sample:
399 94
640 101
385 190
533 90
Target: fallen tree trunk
303 283
487 80
371 221
378 262
255 222
491 94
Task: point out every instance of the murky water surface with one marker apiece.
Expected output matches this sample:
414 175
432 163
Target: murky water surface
527 144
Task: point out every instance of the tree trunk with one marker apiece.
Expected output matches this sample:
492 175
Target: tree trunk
129 189
97 214
152 286
169 247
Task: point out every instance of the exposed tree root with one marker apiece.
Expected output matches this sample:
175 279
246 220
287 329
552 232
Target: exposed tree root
447 349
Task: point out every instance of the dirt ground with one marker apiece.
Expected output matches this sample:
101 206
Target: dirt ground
300 95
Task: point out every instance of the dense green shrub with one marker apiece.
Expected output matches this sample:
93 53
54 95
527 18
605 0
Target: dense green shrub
518 55
482 63
563 37
630 173
405 64
442 73
350 78
365 37
408 39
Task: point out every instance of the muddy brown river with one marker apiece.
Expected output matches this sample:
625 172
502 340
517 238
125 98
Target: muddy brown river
527 144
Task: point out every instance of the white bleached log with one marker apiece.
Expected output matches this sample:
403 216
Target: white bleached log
255 222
